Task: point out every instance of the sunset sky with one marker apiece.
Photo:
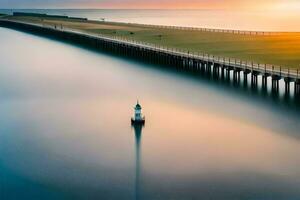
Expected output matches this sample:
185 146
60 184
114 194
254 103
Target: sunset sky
281 5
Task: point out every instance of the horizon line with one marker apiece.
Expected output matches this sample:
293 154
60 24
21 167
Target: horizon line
112 9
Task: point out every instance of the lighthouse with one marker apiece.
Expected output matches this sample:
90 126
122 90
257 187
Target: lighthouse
138 118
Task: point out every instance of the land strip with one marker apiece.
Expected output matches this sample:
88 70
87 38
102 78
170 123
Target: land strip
278 49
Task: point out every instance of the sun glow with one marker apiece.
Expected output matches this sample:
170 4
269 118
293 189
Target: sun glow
292 6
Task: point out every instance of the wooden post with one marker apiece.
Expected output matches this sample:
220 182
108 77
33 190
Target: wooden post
280 70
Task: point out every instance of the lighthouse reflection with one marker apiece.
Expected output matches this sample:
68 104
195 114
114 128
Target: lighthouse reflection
138 136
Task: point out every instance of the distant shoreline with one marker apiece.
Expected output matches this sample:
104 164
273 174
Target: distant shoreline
201 18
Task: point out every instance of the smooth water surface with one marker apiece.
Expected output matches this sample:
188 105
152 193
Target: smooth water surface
258 20
65 130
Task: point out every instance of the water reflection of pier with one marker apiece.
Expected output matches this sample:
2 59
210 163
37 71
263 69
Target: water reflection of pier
138 136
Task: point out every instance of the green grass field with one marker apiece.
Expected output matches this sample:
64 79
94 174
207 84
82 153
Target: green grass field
282 49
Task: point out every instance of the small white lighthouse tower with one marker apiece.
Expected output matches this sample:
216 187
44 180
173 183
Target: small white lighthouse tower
138 118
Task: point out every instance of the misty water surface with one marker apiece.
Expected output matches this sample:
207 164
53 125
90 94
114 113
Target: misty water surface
65 130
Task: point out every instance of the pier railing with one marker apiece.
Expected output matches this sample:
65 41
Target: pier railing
265 69
203 29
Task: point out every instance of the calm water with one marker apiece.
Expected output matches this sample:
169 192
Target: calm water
225 19
65 130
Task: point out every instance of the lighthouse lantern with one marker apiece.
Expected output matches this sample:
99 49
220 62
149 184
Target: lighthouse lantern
138 118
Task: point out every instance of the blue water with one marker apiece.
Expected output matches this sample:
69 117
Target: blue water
263 20
65 130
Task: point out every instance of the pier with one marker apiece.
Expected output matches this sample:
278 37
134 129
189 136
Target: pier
217 67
